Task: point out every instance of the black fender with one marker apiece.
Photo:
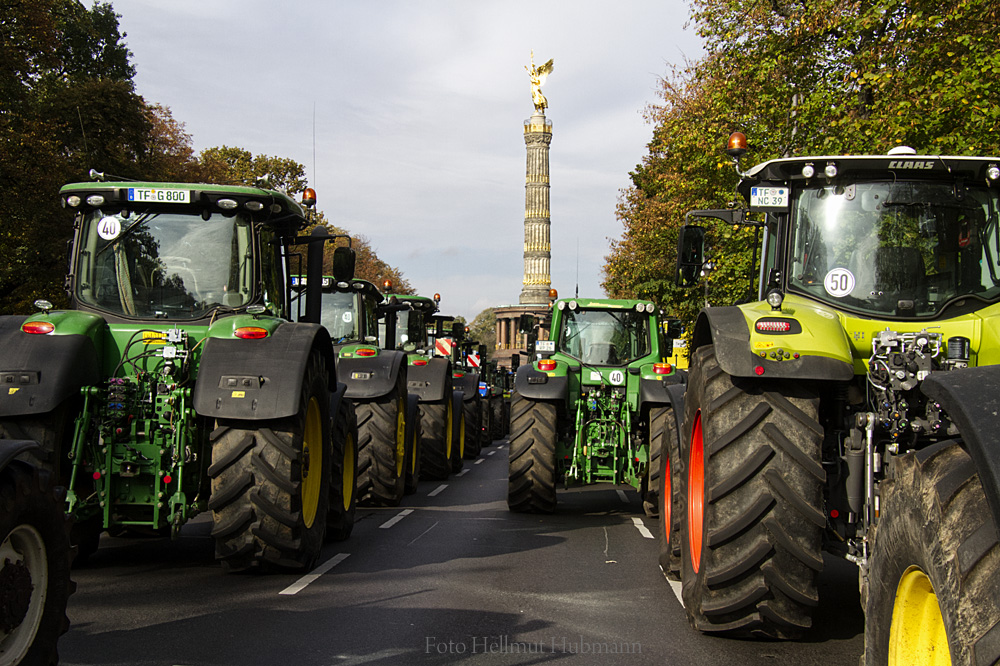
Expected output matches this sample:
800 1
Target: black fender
468 384
368 377
966 397
12 448
39 372
336 397
531 383
727 329
655 391
259 379
429 382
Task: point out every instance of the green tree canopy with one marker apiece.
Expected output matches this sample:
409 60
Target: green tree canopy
821 77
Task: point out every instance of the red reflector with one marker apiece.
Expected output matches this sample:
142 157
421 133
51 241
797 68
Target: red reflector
662 368
834 513
547 364
167 479
97 475
422 361
38 327
458 374
365 351
773 326
759 370
250 333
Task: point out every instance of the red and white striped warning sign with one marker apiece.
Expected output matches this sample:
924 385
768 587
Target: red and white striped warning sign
442 346
474 359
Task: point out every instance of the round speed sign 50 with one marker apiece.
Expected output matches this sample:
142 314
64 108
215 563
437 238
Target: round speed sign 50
839 282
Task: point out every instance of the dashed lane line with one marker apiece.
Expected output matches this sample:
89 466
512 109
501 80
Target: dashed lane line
301 583
479 461
395 519
437 490
464 471
639 525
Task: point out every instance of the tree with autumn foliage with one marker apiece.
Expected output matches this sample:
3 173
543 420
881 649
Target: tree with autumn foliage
823 77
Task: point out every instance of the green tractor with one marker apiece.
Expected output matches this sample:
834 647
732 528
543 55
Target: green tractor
450 340
178 382
851 409
442 423
590 408
388 417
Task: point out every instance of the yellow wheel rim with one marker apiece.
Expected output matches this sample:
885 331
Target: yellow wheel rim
917 636
347 483
312 463
400 437
449 430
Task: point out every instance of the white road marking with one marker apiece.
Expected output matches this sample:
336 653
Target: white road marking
643 530
301 583
425 531
675 585
464 471
479 462
395 519
437 490
491 453
621 495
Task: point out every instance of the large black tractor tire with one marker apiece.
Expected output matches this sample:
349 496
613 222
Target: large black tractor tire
458 433
54 432
343 472
531 486
932 586
656 423
435 445
414 435
35 557
752 530
497 421
668 470
382 447
473 413
271 484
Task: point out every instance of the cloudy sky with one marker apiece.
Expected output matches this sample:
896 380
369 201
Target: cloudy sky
408 116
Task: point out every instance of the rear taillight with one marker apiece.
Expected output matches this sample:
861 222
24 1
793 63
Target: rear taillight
662 368
546 364
38 327
250 332
365 351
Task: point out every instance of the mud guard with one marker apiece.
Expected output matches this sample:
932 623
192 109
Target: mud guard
657 391
259 379
430 381
726 328
531 383
966 396
38 372
468 384
12 448
368 377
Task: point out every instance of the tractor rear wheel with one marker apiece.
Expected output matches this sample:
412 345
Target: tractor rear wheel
435 445
458 431
343 472
35 559
752 530
414 434
271 483
382 447
473 412
532 477
931 591
669 493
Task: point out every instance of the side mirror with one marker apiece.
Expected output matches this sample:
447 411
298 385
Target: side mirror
526 323
343 263
674 328
515 362
458 330
690 255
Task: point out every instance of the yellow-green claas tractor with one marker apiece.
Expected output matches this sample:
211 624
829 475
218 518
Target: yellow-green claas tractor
591 409
853 407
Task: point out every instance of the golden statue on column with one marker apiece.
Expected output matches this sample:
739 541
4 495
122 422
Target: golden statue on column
538 76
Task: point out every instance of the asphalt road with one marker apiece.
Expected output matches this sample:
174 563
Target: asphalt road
448 577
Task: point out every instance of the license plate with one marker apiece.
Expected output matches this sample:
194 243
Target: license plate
154 195
769 197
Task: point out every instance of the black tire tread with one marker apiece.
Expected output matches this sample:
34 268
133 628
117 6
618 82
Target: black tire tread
531 481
